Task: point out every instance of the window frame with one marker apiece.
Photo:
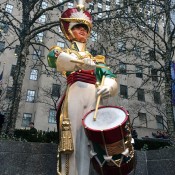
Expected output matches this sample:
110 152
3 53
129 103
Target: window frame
70 4
94 36
124 91
2 46
9 8
140 94
56 90
61 44
30 98
139 72
154 75
26 117
143 118
4 26
39 37
42 18
157 97
44 5
13 69
160 125
36 54
121 46
52 118
122 68
33 75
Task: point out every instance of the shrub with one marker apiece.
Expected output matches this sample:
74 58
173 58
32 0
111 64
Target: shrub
40 136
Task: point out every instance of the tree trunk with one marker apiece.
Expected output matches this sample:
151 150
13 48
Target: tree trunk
168 82
168 99
17 89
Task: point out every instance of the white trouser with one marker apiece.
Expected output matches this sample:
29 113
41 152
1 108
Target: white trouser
81 99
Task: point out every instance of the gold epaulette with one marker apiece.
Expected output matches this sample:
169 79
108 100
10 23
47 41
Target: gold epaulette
99 59
55 47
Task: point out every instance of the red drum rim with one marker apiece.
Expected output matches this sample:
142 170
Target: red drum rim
101 107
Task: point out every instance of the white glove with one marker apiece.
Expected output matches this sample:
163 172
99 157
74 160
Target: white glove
108 89
88 64
104 91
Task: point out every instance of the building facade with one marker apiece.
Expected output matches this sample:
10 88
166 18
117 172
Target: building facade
43 87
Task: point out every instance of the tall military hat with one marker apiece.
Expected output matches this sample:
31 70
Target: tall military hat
74 16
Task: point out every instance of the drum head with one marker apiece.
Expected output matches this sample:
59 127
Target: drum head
107 118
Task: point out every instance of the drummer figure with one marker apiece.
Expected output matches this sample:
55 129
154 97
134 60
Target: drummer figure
82 71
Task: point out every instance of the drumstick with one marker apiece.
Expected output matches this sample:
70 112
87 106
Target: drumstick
98 100
81 62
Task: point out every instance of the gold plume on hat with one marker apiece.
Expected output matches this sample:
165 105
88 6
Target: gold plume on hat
81 3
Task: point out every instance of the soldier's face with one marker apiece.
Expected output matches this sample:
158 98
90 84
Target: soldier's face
80 33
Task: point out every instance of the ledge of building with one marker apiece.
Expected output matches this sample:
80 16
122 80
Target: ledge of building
26 158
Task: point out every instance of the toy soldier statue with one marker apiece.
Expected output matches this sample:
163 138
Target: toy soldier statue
83 72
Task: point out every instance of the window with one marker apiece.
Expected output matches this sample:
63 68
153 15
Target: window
61 7
139 72
117 2
154 74
17 49
156 27
122 68
59 29
99 10
99 5
27 118
42 19
60 44
107 7
152 55
141 94
93 52
94 36
34 74
9 93
52 116
137 51
30 95
123 91
159 120
44 5
39 37
108 2
56 90
9 8
2 46
13 68
157 99
4 27
36 54
142 119
70 4
121 46
91 6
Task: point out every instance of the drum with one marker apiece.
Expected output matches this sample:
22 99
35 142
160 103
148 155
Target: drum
111 129
110 137
106 169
